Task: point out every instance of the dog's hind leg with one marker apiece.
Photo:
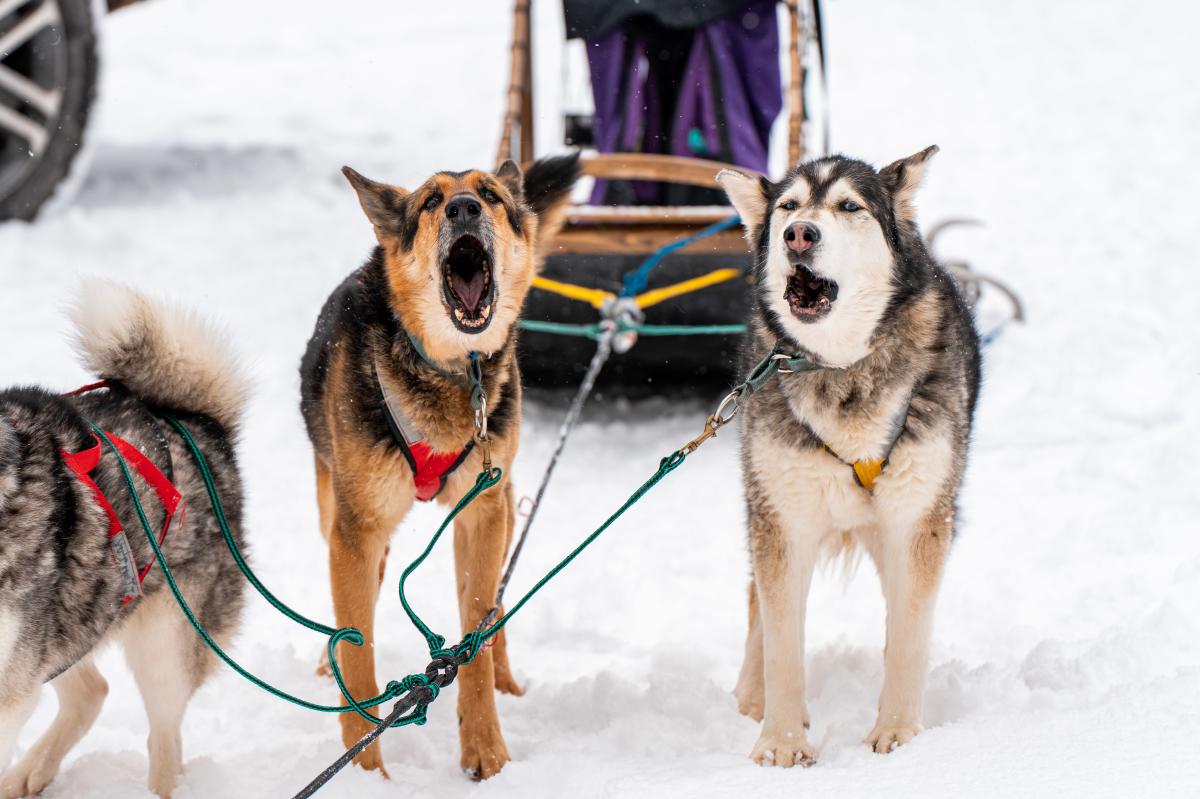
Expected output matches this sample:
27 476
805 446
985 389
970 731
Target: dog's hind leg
505 682
168 664
910 564
749 689
81 691
783 568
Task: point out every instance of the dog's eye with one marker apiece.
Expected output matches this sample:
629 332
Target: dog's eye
789 205
849 206
433 202
489 196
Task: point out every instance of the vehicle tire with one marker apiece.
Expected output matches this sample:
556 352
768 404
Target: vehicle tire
48 67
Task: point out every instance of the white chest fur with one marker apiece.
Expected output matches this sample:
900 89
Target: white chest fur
859 436
813 494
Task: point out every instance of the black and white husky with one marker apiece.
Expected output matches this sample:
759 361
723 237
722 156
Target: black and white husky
868 451
68 582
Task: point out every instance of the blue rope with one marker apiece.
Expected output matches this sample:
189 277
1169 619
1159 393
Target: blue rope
635 281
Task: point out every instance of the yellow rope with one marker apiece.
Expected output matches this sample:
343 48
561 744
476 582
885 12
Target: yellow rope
655 296
597 297
594 297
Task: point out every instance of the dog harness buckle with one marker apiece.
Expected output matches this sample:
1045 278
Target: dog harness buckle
83 463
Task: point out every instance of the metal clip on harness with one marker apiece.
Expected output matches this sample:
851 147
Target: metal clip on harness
479 404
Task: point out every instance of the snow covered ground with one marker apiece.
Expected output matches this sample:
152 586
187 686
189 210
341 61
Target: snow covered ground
1067 650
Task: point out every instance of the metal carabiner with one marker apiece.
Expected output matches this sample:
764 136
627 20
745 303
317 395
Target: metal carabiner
719 416
481 418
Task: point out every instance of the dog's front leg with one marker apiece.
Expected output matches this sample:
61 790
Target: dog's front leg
480 541
357 543
783 567
910 563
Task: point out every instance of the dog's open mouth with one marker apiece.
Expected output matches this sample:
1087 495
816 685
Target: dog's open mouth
809 296
469 287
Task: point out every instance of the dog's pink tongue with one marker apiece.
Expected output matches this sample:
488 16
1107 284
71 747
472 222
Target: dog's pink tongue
470 292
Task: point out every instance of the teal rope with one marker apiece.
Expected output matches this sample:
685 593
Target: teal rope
393 690
665 467
637 280
472 642
685 330
465 651
223 523
593 331
483 482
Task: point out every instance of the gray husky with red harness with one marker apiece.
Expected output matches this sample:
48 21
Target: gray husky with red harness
75 566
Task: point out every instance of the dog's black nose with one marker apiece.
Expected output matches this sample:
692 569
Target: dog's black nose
801 236
462 208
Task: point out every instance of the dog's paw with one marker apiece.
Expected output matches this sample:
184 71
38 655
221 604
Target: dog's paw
323 667
29 777
888 735
749 701
785 750
354 728
507 684
483 752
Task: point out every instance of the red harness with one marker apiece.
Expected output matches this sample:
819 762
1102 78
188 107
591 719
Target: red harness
84 462
430 468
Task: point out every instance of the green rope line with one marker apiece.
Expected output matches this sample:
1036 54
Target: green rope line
336 636
437 643
465 651
223 523
593 331
473 641
393 690
665 467
685 330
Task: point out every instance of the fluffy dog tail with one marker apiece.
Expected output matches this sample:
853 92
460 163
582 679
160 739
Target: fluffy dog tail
547 187
164 354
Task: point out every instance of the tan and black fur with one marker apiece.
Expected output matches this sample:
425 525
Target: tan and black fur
412 290
844 278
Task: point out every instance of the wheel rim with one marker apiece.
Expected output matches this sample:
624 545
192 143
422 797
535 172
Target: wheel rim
33 74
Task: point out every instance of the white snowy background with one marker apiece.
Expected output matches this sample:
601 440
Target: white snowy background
1066 659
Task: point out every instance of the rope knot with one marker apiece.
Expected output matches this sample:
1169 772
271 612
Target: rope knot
470 646
442 670
671 462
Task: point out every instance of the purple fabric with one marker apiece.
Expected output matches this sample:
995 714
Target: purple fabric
728 96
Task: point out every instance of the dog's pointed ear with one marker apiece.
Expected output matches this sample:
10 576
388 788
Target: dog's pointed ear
748 195
509 175
383 204
902 179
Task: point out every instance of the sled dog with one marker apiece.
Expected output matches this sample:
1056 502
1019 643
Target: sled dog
387 403
76 569
866 452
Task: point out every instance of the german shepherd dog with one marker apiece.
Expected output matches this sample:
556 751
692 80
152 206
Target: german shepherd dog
868 451
387 405
69 575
